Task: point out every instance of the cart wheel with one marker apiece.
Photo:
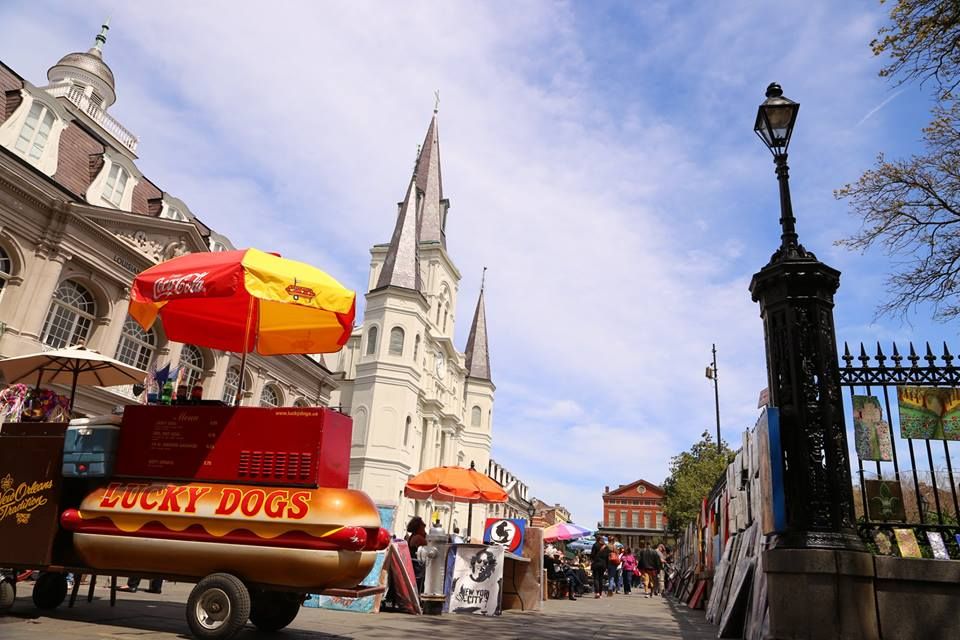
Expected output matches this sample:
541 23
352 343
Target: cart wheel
50 590
218 607
8 594
274 610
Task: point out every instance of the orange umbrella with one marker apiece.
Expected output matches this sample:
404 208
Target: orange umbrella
454 484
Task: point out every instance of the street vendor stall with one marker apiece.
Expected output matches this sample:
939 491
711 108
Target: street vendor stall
250 503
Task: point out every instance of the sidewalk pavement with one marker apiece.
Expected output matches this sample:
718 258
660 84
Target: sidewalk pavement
149 616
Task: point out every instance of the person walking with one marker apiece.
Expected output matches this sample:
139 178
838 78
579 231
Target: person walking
613 565
628 564
652 561
598 565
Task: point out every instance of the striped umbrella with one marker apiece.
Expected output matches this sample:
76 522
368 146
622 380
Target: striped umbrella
564 531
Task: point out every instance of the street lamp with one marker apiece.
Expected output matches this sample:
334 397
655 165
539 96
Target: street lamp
795 292
531 511
712 375
774 125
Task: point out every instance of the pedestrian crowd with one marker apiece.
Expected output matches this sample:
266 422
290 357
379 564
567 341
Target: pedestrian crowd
617 569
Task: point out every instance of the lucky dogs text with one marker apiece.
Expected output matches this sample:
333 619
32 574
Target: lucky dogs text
273 503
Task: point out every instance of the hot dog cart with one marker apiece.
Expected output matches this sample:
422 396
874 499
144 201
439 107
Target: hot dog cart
250 503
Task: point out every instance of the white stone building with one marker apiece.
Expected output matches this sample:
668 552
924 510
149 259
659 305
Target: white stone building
416 400
78 220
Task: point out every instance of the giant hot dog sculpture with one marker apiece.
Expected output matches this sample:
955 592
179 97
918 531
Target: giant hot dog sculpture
294 537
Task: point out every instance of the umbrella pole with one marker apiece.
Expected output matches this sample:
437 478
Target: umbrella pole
73 387
469 518
243 356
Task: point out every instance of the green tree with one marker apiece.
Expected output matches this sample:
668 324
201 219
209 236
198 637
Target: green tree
910 208
693 474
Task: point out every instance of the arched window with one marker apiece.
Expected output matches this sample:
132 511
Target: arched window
270 396
70 317
372 341
191 359
446 312
6 270
301 402
406 431
396 341
416 348
475 416
116 184
136 345
35 131
231 383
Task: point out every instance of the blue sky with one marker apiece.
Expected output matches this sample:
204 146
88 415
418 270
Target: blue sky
599 157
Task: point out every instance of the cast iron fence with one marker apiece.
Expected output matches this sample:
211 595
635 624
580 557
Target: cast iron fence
932 501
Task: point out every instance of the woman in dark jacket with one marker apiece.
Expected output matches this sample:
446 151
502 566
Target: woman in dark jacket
599 554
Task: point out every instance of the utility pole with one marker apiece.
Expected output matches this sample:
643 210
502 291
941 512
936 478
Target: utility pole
712 375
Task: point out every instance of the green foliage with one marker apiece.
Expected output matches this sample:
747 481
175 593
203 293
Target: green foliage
693 475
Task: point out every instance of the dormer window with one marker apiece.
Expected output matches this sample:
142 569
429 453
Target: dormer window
173 213
116 184
217 246
35 132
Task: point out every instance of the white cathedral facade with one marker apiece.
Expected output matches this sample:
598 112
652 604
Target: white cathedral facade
417 401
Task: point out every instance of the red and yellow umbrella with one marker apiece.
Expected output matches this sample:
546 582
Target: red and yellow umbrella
245 301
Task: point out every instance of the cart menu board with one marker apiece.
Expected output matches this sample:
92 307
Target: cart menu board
283 446
30 459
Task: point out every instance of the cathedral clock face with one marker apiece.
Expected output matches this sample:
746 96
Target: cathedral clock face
441 365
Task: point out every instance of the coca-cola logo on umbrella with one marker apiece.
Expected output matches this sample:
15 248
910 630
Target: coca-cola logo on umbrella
188 284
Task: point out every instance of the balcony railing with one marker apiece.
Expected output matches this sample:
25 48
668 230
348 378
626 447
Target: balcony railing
76 95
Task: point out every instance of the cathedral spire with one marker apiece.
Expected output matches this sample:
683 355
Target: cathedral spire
430 184
401 267
477 354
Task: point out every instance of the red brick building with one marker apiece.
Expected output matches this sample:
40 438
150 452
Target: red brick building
633 512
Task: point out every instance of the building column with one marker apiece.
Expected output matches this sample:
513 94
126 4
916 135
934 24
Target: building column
39 286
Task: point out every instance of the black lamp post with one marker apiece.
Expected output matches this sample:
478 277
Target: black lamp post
795 292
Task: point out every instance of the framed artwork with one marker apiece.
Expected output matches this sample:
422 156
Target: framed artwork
907 541
937 545
871 432
505 532
474 579
882 538
929 413
884 500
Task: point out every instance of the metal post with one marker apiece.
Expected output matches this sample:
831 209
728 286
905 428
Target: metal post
716 396
795 292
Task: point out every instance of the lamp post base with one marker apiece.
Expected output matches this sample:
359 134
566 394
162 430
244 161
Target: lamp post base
823 540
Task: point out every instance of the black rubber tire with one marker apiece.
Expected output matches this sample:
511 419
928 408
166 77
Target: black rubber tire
211 596
8 594
50 590
274 610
